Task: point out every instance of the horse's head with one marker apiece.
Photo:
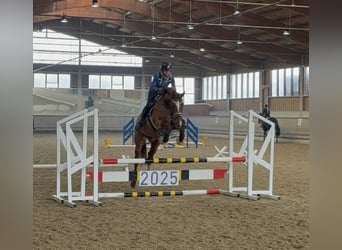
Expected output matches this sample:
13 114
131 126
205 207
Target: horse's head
175 104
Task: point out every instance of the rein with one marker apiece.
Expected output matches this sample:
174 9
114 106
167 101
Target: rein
175 115
153 126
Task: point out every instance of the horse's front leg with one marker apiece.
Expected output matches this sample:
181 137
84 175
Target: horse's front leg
181 136
140 152
166 133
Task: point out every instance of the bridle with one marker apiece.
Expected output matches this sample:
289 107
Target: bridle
177 104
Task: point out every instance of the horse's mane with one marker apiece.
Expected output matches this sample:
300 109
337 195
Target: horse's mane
170 93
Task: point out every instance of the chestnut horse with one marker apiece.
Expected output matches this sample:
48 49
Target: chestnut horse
164 117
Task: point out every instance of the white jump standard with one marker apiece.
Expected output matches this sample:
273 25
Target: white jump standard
253 157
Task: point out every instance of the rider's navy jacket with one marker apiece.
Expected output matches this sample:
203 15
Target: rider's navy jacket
160 82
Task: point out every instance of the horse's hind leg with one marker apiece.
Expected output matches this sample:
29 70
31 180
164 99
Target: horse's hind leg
154 147
140 152
134 183
181 136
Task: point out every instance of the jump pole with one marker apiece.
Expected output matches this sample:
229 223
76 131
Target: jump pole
190 175
171 193
172 160
184 175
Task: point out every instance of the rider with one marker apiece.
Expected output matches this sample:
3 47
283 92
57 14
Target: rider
162 79
266 112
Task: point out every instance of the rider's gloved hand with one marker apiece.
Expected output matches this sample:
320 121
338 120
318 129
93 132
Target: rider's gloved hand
160 91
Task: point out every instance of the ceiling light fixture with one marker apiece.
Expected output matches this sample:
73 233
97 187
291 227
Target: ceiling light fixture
202 49
64 19
95 4
190 25
237 9
239 41
237 12
286 33
153 37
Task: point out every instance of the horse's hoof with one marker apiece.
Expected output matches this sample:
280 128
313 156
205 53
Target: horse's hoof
133 183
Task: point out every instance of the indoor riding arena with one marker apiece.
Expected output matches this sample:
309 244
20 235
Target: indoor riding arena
231 168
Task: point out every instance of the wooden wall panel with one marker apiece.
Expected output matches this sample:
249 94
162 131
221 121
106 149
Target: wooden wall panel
245 104
306 103
285 104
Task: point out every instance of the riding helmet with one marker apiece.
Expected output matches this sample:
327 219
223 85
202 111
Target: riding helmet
166 66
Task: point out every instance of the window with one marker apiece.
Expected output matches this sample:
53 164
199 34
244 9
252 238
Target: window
94 82
214 87
256 84
51 47
306 81
239 85
295 81
288 82
187 85
117 82
43 80
205 89
128 82
285 82
111 82
281 82
233 87
64 81
224 86
51 81
189 88
39 80
105 82
210 88
274 80
245 85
